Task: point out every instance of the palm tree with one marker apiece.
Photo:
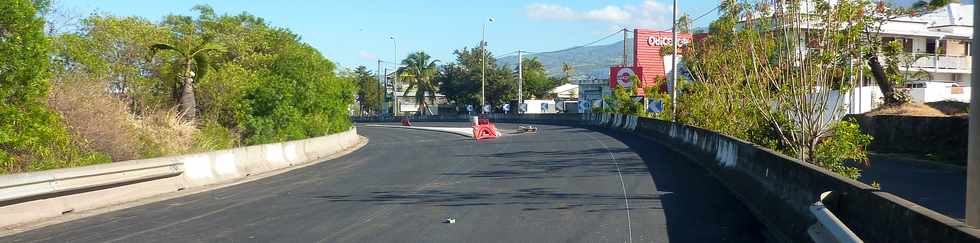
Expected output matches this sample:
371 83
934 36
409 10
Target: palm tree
420 72
191 63
567 69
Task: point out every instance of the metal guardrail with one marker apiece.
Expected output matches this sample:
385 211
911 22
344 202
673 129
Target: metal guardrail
828 227
48 182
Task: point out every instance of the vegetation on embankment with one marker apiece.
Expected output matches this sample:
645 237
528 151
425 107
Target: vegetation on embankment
120 88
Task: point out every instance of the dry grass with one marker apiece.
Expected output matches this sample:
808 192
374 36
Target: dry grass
907 109
103 123
96 120
165 133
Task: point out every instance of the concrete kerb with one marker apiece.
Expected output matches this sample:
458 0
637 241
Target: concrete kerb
30 197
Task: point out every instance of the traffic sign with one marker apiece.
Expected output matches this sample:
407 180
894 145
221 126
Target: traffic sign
469 108
583 105
522 107
655 106
506 108
486 108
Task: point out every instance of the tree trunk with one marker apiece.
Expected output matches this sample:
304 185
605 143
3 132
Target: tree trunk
887 87
188 103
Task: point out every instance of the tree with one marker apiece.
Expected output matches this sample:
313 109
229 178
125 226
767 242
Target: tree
536 81
755 76
460 81
874 49
459 84
567 70
368 89
192 61
419 72
31 136
684 24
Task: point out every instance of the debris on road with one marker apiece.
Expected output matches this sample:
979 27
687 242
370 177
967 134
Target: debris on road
449 220
527 129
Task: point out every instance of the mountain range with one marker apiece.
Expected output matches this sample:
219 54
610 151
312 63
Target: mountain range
589 62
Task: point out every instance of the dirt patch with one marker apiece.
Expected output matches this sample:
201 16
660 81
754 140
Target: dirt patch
907 109
951 108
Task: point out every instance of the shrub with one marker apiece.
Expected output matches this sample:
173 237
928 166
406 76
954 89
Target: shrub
31 136
213 136
846 143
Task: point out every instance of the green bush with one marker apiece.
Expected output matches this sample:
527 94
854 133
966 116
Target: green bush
31 136
299 97
213 136
848 142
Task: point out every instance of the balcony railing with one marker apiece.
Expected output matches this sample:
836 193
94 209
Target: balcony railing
929 61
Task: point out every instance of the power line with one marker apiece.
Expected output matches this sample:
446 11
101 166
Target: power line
695 20
502 55
581 46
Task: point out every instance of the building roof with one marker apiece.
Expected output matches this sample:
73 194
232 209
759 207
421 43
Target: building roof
953 20
564 88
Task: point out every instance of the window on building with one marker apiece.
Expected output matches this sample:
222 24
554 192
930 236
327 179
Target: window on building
886 40
968 51
907 45
931 46
943 47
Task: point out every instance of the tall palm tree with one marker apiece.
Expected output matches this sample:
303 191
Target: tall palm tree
192 63
420 72
567 69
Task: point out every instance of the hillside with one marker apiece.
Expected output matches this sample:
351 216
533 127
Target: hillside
589 61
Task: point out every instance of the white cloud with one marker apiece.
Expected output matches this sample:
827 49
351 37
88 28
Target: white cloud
367 56
550 12
609 13
649 14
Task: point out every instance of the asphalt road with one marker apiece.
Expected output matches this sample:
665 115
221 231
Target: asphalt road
564 184
939 188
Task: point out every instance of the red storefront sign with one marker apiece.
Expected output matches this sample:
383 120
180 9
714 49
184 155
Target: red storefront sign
622 76
647 56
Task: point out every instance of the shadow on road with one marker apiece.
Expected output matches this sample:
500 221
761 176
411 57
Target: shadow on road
699 208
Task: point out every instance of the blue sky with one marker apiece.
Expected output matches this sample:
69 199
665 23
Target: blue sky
356 32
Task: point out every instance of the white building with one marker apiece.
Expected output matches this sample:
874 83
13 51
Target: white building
938 42
565 92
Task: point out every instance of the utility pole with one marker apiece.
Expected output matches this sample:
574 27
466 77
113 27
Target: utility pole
483 70
381 89
625 35
520 79
673 69
973 147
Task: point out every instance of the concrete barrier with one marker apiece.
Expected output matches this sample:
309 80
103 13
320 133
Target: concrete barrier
779 190
33 196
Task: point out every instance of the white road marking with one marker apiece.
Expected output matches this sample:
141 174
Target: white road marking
629 223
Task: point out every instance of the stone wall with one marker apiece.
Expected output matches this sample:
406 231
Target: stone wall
942 137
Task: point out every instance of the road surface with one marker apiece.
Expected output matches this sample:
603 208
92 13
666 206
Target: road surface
564 184
939 188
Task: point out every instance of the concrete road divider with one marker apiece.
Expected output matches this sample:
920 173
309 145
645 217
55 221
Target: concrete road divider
34 196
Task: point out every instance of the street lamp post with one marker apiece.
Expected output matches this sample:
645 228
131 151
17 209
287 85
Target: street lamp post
673 68
483 70
394 87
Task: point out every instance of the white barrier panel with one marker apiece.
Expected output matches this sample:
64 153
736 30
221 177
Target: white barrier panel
33 196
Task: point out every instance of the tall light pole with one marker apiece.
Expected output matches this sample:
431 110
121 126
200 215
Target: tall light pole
973 144
394 85
483 71
673 69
